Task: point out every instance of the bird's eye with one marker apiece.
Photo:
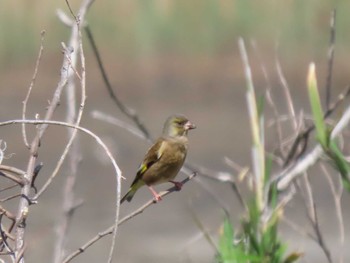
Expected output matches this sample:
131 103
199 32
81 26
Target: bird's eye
180 122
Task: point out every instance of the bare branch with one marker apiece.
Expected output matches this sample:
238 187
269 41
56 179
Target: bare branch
64 124
313 215
12 169
319 235
71 11
269 98
110 230
222 177
286 90
25 102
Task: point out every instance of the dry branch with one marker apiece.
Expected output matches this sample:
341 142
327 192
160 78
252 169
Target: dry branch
110 229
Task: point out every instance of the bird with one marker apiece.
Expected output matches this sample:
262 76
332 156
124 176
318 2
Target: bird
164 158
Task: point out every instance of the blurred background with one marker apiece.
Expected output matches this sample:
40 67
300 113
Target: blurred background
165 57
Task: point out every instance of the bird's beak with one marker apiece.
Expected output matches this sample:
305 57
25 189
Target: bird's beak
189 126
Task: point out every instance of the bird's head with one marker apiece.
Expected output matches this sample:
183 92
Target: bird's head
177 125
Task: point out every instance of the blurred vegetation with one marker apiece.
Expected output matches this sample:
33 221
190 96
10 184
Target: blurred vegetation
199 26
212 27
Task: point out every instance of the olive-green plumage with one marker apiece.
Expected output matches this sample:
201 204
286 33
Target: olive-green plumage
165 158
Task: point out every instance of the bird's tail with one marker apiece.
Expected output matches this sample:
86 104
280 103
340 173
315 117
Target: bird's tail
132 190
129 195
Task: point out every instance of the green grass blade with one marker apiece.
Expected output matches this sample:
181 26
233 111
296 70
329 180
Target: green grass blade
316 107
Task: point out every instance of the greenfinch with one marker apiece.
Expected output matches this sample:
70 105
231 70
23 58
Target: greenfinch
164 159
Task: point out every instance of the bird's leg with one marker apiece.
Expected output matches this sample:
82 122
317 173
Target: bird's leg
157 197
178 185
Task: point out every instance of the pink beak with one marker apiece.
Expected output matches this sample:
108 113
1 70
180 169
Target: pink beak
189 126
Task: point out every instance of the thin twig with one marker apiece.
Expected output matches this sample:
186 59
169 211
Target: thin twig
64 124
337 196
286 90
331 49
10 197
4 237
110 229
13 178
269 98
313 215
222 177
8 187
8 214
301 231
12 169
131 114
204 231
319 235
25 102
71 10
99 115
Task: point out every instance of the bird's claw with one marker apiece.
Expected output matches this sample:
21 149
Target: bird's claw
178 185
157 198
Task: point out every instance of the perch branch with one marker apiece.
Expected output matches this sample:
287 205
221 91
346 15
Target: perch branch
110 229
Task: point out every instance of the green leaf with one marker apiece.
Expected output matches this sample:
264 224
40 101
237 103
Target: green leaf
316 107
226 242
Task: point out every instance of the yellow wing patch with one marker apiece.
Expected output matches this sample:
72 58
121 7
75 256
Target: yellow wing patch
152 157
143 168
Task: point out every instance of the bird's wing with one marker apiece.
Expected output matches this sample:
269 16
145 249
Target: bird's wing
152 156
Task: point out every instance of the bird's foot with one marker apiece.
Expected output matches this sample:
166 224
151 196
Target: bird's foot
157 197
178 185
